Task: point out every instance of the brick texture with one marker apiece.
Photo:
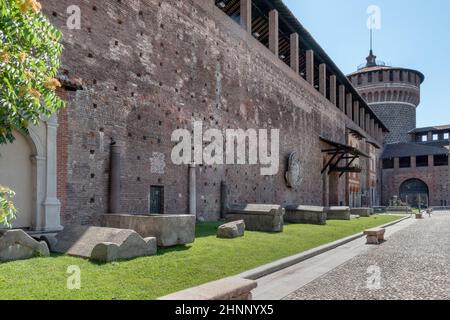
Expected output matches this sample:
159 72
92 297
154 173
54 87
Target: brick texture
149 67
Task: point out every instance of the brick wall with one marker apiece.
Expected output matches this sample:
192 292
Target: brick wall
436 178
149 67
62 156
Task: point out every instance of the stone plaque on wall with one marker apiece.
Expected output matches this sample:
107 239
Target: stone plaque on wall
294 175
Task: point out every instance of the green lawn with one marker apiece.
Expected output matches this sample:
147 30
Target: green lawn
172 269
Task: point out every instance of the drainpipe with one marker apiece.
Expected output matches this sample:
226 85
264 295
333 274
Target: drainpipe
192 189
114 178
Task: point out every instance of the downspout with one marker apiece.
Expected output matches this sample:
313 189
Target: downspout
192 189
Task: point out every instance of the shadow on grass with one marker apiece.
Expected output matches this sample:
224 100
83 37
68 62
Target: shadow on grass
207 229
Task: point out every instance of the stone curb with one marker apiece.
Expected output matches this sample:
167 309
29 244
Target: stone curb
276 266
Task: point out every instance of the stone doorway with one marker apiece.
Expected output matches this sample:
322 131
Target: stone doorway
156 200
333 189
15 173
28 166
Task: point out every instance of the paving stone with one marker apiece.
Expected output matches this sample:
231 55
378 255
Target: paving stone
413 264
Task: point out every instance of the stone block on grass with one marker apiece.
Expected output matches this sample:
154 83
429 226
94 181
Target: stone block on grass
258 217
338 213
306 215
231 230
103 244
362 212
18 245
169 229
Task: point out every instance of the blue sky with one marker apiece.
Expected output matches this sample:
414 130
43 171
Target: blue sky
413 34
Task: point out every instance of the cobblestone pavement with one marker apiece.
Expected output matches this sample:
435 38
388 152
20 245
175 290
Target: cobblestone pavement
414 264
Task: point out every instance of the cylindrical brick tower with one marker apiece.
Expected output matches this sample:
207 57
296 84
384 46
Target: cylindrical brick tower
392 93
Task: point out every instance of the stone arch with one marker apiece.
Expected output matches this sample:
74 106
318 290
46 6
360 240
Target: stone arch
395 96
370 97
42 155
389 96
16 172
377 97
415 192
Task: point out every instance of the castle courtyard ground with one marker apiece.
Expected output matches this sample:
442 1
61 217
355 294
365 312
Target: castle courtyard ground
413 264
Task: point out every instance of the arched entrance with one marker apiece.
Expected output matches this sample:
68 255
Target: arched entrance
16 173
415 193
28 166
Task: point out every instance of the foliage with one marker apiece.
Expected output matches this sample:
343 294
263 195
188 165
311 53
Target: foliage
7 210
29 61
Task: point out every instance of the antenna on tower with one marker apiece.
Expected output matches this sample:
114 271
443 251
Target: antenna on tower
371 59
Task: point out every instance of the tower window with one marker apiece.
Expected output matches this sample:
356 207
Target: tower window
391 75
441 160
380 76
422 161
370 77
405 162
388 163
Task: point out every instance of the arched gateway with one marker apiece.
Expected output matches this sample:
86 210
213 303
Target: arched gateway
415 192
28 166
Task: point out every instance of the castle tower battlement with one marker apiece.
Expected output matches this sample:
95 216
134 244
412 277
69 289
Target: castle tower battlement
392 93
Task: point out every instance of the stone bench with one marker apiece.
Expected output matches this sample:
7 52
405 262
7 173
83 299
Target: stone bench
379 209
306 215
258 217
362 212
375 236
168 229
232 288
399 209
338 213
